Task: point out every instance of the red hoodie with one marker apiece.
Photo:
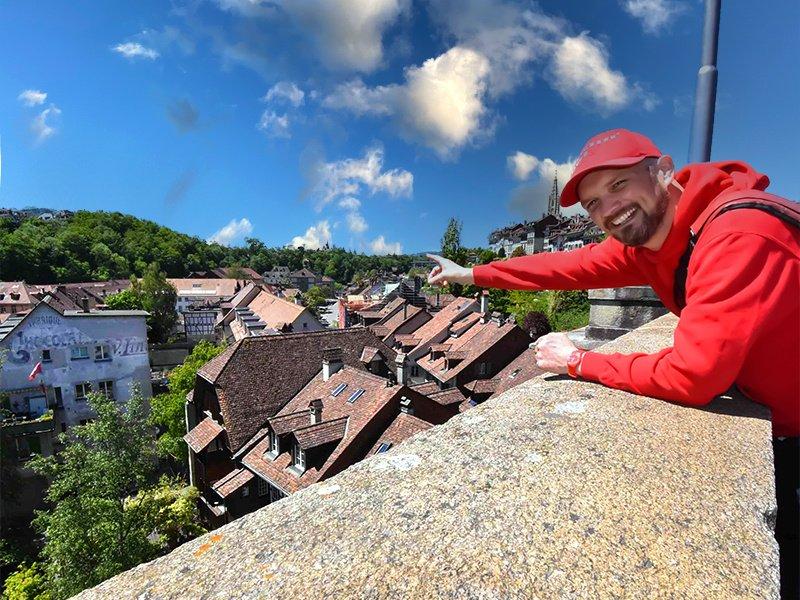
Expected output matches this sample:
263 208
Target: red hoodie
741 322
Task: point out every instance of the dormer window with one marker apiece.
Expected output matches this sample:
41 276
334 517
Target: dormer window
299 457
274 443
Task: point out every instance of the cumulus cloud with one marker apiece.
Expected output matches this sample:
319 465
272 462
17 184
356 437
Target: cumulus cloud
32 97
183 115
343 178
655 15
445 103
232 232
348 33
581 73
350 203
522 165
134 50
43 126
356 222
316 237
381 247
441 103
285 91
530 201
274 125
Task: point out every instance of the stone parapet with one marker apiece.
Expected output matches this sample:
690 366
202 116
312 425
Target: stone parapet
556 489
616 311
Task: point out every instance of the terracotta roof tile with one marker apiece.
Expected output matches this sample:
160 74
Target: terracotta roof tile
369 354
284 423
203 434
232 482
402 428
519 370
321 433
256 376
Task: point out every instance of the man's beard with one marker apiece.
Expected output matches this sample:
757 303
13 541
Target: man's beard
637 234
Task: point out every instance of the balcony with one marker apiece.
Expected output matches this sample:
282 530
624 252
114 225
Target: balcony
556 489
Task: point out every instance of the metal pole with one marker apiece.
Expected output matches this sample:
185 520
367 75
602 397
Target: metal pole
706 93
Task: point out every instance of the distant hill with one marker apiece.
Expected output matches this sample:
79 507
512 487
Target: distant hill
98 245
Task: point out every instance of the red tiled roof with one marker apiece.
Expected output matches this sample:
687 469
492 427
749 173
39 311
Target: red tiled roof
519 370
462 325
440 347
232 482
284 423
369 354
447 397
255 376
402 428
372 404
321 433
203 434
436 329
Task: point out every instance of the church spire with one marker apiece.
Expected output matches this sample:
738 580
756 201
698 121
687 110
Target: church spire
553 206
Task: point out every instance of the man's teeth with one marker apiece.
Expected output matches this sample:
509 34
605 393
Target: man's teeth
623 217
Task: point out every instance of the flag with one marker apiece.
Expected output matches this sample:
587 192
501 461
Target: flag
36 370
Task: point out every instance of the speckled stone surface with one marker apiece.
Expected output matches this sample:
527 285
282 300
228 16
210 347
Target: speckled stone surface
556 489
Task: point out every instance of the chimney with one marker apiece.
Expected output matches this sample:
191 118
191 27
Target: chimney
405 310
484 299
331 362
417 284
405 406
315 411
85 304
402 372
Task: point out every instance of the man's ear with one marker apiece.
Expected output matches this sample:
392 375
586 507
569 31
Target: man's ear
665 170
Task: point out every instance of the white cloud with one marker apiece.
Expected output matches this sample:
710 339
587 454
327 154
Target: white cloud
42 125
286 91
522 165
381 247
32 97
274 125
581 73
531 200
336 180
441 103
348 33
350 203
133 50
232 232
248 8
315 237
655 15
356 222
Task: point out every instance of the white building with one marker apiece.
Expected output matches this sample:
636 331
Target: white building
79 351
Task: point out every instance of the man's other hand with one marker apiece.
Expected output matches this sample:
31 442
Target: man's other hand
552 352
446 271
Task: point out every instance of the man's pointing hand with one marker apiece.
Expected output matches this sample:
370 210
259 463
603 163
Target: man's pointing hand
446 271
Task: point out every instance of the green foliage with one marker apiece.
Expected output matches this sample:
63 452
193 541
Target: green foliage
158 298
452 249
28 582
106 517
313 299
129 299
99 245
518 251
167 410
564 309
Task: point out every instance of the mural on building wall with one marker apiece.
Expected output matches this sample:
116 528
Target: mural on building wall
51 332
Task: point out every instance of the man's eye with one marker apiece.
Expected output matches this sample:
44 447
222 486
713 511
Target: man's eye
618 184
590 204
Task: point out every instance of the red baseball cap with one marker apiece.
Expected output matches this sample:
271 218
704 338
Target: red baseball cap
615 148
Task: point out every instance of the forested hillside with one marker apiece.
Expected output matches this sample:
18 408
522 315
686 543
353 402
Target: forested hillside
102 245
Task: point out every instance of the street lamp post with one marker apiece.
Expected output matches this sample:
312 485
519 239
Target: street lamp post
706 93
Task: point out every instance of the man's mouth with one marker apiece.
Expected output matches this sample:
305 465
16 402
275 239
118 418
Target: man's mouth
623 217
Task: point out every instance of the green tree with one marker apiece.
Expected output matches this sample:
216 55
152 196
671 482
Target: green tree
159 298
28 582
167 410
129 299
106 517
452 249
313 299
518 251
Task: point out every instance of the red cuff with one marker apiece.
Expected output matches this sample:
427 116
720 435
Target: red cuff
480 275
592 364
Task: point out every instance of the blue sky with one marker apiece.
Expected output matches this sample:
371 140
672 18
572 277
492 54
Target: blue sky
367 123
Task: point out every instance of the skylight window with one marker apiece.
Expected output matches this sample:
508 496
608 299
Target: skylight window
383 448
514 373
355 395
338 389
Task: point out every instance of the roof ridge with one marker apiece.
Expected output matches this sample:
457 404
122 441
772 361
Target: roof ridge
328 422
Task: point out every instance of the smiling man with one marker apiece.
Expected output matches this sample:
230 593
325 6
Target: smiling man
736 288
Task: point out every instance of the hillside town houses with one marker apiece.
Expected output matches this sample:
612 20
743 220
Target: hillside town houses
290 401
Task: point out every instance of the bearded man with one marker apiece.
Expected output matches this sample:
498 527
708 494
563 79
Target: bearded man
736 289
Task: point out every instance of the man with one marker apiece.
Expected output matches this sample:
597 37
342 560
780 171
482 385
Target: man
741 319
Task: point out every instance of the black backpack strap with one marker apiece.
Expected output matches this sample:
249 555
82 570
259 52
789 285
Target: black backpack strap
682 270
